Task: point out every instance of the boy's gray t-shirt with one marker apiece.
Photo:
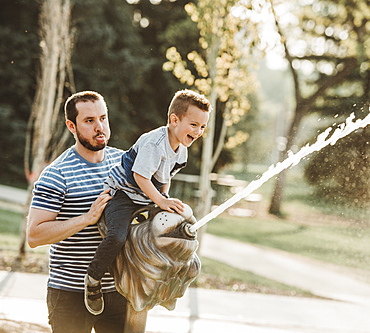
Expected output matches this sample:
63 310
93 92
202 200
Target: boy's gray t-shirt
151 157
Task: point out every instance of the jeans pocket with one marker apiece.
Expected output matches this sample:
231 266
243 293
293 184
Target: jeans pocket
52 301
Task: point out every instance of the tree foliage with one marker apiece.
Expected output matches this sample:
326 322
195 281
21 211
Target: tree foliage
340 173
343 33
120 48
18 61
113 54
323 45
111 57
221 70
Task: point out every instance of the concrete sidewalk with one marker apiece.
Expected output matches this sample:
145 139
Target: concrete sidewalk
13 195
22 298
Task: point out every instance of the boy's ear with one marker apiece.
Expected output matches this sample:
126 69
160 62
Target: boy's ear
174 119
71 126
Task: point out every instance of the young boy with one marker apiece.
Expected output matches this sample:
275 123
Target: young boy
143 177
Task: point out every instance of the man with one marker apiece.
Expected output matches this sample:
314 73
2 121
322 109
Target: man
68 200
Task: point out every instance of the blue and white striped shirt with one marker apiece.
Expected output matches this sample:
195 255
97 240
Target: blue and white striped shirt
69 186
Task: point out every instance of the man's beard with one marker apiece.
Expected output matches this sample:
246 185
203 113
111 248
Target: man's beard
85 142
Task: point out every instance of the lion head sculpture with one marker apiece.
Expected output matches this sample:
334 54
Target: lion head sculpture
158 260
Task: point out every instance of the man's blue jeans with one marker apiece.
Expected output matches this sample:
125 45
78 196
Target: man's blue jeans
68 313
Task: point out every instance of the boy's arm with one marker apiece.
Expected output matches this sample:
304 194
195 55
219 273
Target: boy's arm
165 188
172 204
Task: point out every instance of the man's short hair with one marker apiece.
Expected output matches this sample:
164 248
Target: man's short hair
70 110
183 99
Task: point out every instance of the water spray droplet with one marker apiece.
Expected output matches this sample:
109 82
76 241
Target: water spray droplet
293 159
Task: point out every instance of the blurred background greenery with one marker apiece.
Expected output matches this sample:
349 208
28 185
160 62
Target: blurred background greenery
119 48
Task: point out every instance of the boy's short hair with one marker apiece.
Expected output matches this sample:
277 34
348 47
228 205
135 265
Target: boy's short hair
183 99
70 110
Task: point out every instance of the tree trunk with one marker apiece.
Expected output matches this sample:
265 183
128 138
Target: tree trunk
303 107
55 43
205 189
275 204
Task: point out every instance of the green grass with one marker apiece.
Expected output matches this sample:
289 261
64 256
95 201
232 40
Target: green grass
10 224
344 245
218 275
10 230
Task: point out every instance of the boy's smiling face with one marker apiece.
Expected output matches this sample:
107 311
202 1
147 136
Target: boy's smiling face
189 128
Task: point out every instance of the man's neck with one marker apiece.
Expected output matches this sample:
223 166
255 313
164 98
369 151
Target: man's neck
89 155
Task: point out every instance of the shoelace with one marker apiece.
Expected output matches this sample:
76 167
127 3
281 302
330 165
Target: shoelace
94 292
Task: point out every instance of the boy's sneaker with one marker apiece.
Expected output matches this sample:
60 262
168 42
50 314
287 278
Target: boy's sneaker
94 301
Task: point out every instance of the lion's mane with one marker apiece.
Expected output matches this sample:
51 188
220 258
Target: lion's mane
155 268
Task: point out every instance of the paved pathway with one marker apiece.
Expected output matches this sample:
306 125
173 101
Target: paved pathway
319 278
13 195
22 298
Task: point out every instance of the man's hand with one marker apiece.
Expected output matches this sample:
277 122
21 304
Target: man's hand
97 208
44 228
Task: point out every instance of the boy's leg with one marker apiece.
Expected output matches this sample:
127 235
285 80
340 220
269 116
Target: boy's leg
118 219
117 215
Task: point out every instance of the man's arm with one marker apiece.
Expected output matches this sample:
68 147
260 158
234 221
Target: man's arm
172 204
43 228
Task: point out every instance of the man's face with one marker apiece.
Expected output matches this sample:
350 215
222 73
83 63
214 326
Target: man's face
92 126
